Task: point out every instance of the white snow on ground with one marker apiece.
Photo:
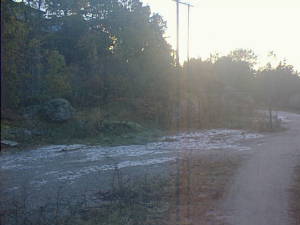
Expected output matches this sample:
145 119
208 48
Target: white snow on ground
72 175
18 160
284 118
206 140
69 162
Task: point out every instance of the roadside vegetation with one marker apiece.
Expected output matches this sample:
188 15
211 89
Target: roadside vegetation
127 201
102 72
295 196
204 182
144 200
70 67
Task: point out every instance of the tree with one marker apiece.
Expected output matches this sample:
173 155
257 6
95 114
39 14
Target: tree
244 55
14 33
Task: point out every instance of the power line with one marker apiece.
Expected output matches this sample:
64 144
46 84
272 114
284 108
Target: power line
188 34
177 33
178 157
177 30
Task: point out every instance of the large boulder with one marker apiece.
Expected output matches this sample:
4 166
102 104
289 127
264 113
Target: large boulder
58 110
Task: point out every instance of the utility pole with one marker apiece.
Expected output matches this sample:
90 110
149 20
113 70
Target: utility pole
187 159
177 33
177 30
188 34
178 164
177 182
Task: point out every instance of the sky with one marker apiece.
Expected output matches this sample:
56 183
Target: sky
220 26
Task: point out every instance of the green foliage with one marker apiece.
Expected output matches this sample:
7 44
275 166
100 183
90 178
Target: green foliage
102 53
13 34
56 76
275 87
143 200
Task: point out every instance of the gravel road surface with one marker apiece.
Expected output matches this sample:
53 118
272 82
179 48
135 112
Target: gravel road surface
260 192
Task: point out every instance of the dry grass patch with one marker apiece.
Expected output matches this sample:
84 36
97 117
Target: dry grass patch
295 197
204 181
192 197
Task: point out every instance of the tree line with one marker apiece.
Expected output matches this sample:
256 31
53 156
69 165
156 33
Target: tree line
96 53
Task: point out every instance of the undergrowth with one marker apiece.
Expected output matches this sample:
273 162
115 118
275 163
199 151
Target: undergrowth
295 197
146 200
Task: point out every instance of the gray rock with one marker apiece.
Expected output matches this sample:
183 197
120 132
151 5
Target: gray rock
58 110
9 143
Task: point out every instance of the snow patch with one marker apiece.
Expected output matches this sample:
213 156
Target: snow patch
70 162
73 175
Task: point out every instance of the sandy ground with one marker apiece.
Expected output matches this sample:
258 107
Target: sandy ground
259 194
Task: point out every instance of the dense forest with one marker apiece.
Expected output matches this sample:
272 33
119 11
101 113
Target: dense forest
111 57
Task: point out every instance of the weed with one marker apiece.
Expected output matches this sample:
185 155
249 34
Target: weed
295 197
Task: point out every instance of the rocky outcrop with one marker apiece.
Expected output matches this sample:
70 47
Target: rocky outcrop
58 110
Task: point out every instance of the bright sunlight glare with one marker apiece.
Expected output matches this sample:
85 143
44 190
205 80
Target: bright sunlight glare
219 26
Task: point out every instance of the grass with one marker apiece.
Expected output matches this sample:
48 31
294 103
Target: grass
84 129
257 121
295 197
114 127
210 176
144 200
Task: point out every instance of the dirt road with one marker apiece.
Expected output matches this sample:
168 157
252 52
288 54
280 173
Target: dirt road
259 194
